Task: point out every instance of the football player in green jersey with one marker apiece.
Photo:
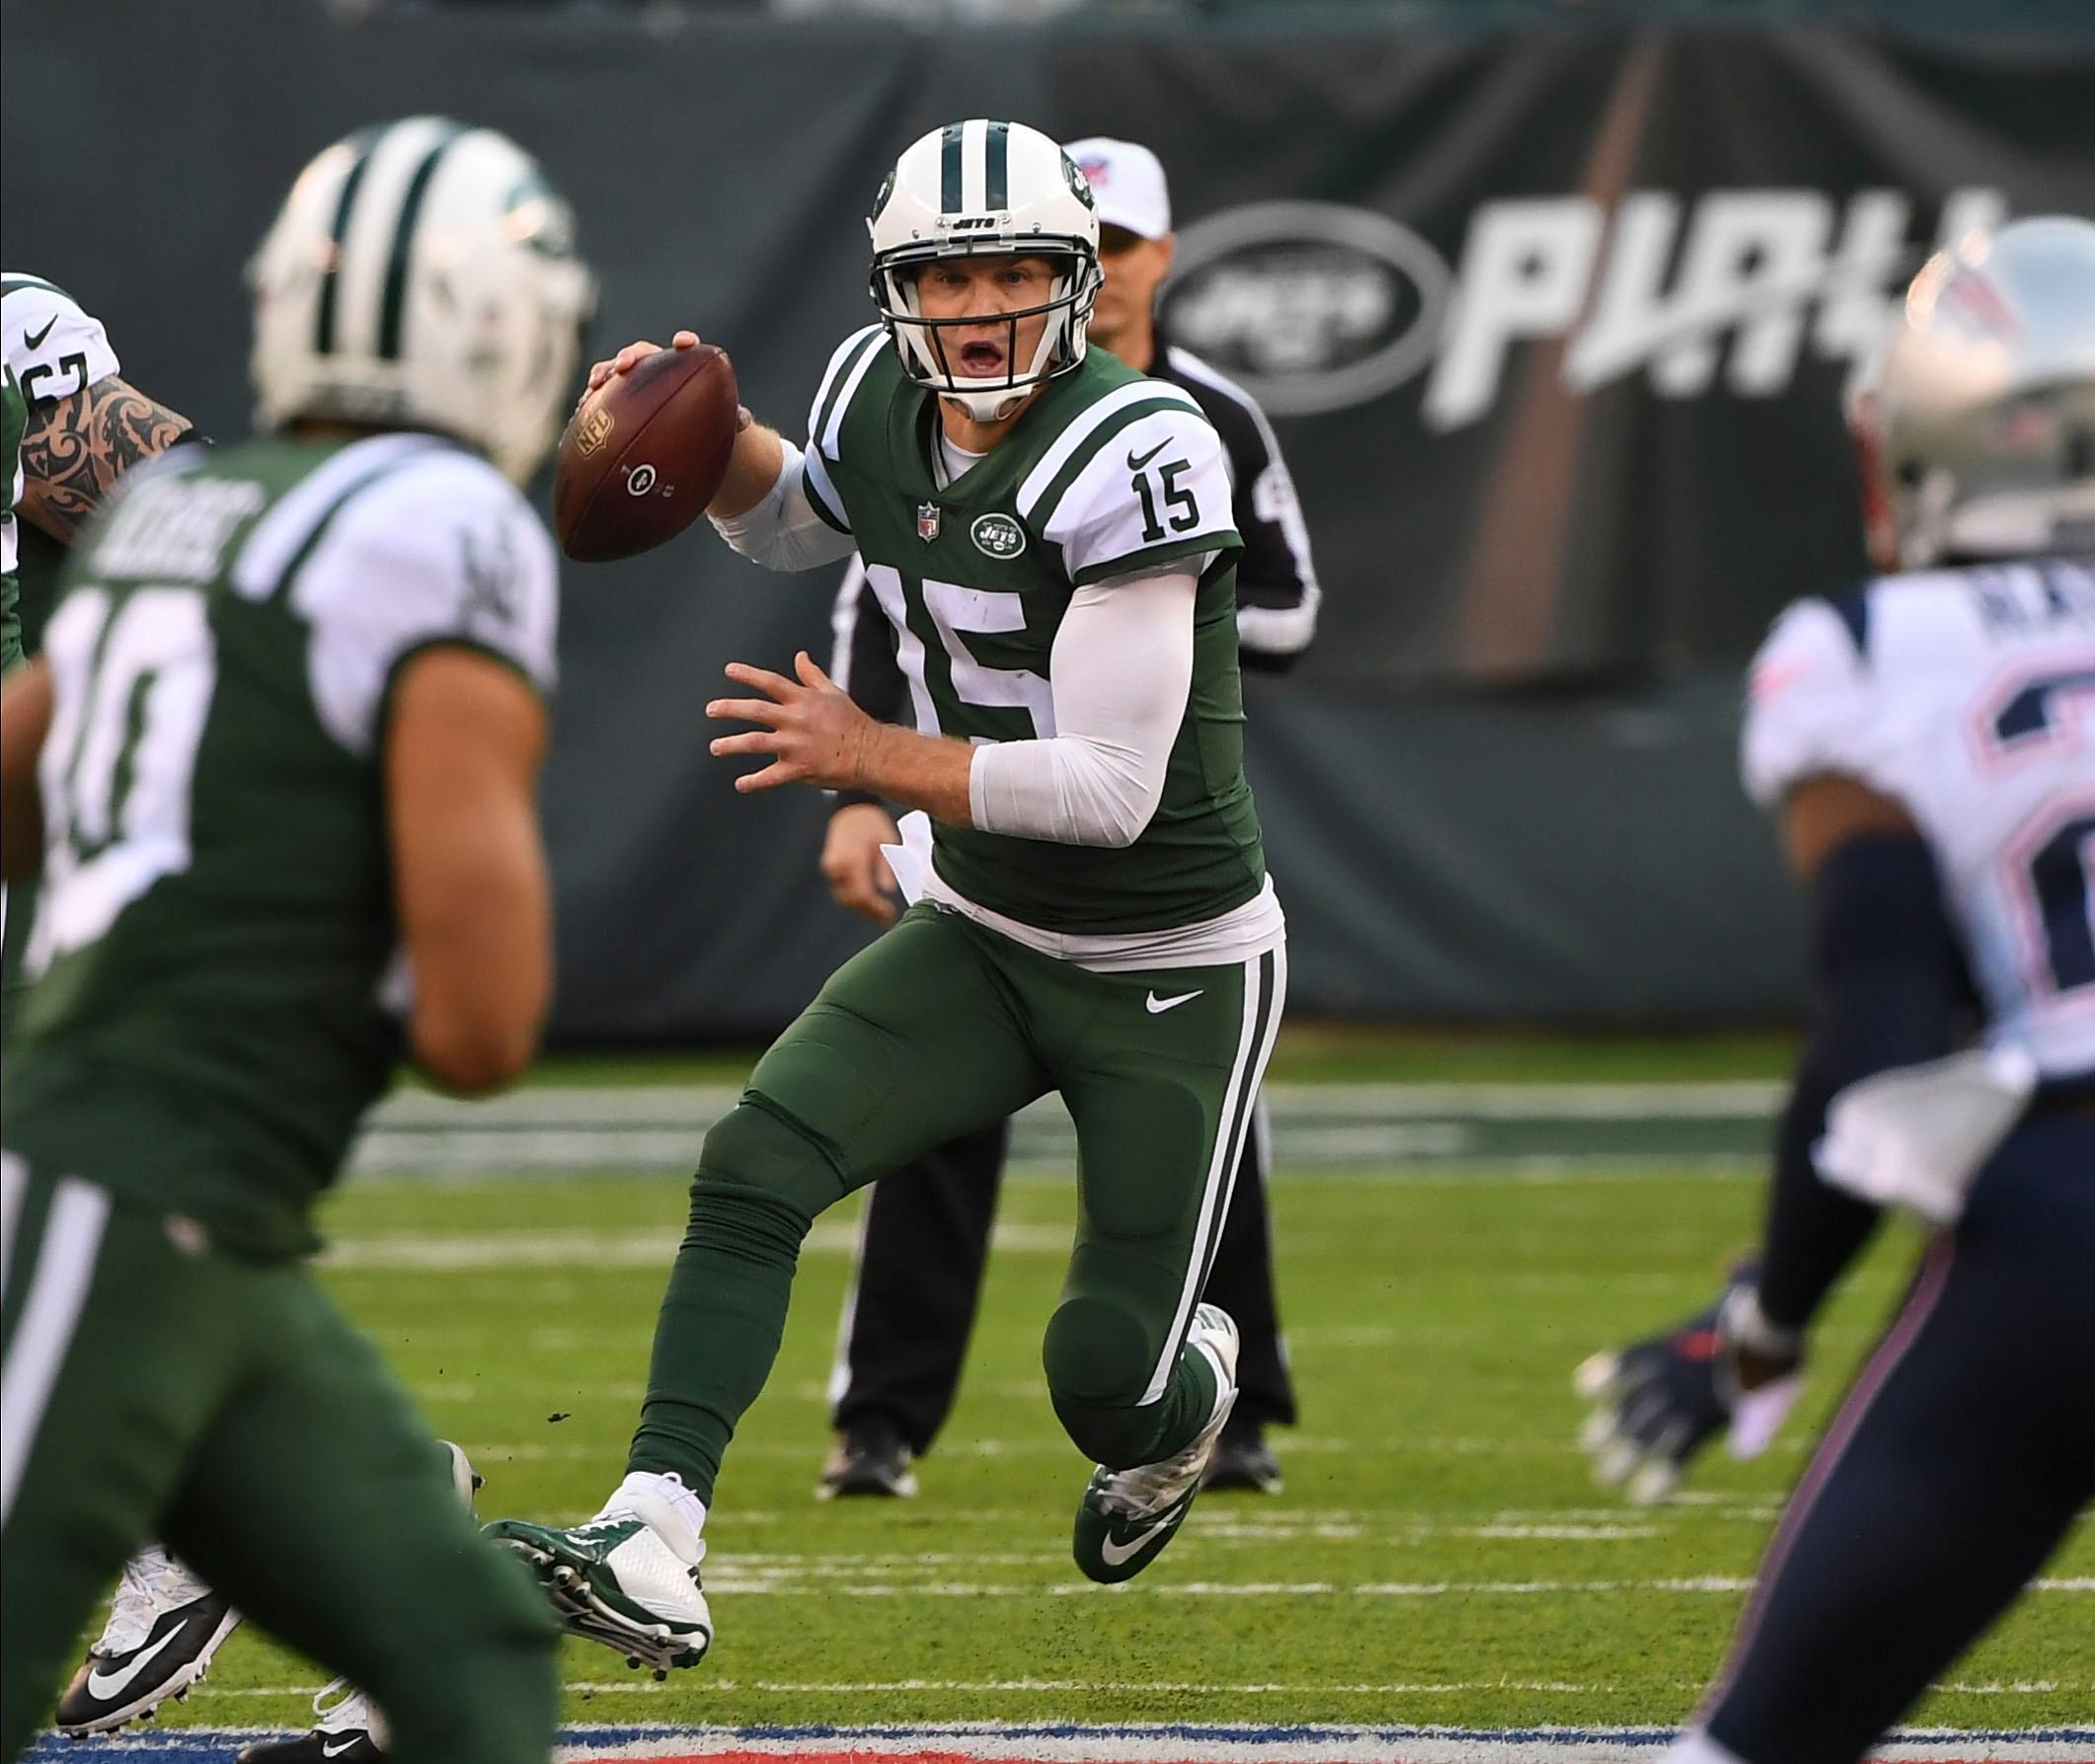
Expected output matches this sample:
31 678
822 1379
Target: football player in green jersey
1049 533
278 760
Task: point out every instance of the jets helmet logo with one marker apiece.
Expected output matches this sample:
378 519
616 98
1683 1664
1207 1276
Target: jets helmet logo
1079 184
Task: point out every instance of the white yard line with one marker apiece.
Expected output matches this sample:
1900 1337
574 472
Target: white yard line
1413 1445
698 1107
633 1128
461 1252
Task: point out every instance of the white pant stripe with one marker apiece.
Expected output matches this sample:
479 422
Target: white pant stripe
1244 1075
14 1184
64 1269
847 1324
1251 1119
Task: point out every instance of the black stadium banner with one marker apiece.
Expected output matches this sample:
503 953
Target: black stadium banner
1553 318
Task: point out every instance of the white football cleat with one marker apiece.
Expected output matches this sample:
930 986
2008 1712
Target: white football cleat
1126 1517
627 1578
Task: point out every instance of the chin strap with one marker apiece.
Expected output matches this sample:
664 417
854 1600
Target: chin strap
979 407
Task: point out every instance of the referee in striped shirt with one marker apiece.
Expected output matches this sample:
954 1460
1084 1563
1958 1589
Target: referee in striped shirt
925 1239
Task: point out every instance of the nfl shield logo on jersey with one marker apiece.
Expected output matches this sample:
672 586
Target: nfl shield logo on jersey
927 521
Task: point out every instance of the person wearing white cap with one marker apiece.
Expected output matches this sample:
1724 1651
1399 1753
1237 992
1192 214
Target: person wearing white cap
925 1240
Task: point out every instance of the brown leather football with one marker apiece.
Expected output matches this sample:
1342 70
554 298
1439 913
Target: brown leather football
644 454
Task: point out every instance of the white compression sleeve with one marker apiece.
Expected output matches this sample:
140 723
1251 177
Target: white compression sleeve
783 531
1121 671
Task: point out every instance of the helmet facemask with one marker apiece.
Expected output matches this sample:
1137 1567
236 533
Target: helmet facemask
922 344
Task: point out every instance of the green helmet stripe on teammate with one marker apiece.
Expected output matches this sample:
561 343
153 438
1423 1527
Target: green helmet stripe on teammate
423 274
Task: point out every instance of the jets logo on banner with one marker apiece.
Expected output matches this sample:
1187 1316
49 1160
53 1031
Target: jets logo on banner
1318 306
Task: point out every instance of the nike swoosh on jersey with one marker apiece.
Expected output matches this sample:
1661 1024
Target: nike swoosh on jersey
1156 1006
110 1685
335 1751
34 339
1135 465
1114 1553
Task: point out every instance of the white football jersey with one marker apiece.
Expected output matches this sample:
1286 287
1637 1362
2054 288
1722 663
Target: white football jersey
1969 696
55 351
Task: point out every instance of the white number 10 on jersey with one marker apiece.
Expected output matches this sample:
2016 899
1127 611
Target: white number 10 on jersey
132 694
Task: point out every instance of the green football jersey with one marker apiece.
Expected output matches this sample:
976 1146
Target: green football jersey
1107 475
217 983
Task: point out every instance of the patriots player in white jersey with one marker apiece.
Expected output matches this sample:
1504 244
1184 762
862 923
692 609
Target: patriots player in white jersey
1929 745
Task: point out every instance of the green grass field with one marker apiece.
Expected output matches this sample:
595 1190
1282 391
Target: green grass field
1438 1554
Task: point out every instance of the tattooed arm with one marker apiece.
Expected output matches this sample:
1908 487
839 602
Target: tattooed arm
74 448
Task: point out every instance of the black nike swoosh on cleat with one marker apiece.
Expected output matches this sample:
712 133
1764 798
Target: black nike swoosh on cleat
1135 465
34 339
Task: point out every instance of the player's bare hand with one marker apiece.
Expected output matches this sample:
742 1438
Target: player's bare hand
852 865
809 728
632 355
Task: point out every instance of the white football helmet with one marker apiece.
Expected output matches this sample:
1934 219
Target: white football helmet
1978 422
984 188
423 274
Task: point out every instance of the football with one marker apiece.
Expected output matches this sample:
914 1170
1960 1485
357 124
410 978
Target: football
644 454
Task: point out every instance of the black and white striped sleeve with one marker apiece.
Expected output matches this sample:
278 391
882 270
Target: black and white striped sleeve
1277 595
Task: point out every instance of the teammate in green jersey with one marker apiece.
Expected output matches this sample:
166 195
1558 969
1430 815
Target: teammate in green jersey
1051 534
278 759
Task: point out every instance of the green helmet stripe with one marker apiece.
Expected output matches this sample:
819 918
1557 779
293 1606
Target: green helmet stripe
996 185
949 169
324 325
396 286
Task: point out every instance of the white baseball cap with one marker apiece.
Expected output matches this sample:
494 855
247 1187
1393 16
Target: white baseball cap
1126 183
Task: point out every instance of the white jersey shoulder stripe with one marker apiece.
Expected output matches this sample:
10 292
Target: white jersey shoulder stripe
278 535
822 493
826 414
1087 423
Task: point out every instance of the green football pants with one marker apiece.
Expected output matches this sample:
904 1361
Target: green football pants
155 1388
938 1028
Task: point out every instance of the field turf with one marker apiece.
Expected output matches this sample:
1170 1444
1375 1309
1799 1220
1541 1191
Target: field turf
1438 1554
